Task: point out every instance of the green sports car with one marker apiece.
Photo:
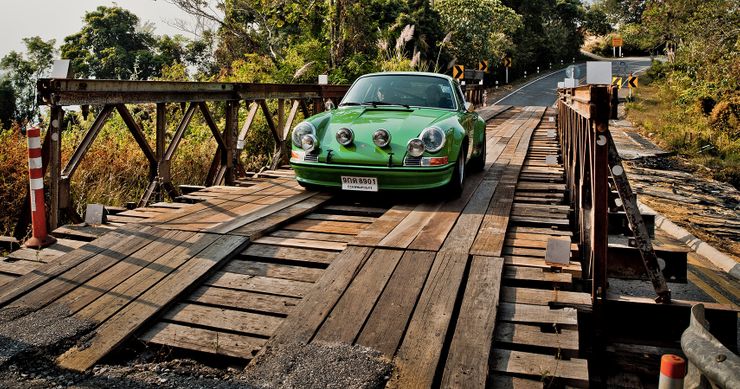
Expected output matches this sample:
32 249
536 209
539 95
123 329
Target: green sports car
399 130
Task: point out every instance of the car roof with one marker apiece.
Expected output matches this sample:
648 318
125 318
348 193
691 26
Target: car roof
428 74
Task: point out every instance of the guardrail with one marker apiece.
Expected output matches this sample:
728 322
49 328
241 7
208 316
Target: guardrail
114 95
583 121
711 364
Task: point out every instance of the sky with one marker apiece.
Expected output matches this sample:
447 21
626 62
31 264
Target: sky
59 18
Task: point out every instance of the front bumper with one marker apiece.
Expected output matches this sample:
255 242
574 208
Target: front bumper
389 178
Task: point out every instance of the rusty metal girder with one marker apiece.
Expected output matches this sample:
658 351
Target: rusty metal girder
100 92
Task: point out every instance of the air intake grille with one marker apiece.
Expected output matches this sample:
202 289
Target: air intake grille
311 158
412 161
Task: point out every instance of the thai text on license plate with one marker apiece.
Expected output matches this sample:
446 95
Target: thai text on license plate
365 184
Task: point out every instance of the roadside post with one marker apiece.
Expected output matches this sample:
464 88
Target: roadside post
40 238
507 64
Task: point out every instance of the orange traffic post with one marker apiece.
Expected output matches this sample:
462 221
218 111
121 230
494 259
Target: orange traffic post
40 238
672 372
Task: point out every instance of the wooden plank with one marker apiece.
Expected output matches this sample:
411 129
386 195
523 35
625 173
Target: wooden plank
524 313
329 227
539 230
500 381
6 278
387 322
224 319
81 232
553 298
276 286
378 230
532 274
119 272
19 267
509 334
259 227
312 236
302 243
341 218
408 229
244 218
288 272
467 359
204 340
242 299
573 268
118 328
124 291
422 345
302 324
289 253
575 371
109 248
346 319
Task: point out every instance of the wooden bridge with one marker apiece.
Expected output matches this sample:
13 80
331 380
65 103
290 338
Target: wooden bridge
490 289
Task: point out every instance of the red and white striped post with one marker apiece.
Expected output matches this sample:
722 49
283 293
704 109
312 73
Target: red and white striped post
672 372
40 237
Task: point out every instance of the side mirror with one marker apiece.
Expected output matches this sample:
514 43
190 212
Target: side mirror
469 107
329 105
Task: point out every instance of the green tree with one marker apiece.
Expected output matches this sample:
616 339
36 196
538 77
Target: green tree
23 69
596 22
112 44
481 29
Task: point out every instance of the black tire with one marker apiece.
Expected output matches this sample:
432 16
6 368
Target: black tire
478 163
455 186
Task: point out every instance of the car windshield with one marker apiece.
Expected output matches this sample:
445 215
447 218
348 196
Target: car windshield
404 90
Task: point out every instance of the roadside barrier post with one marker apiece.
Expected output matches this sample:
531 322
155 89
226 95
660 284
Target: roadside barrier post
40 238
672 372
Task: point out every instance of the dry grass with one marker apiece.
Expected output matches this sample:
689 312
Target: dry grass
686 130
114 170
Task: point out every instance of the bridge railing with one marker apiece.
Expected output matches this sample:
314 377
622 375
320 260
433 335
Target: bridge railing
583 124
111 96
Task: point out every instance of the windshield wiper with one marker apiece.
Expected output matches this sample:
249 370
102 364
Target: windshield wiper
377 103
349 103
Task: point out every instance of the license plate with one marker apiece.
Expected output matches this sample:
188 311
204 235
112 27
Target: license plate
364 184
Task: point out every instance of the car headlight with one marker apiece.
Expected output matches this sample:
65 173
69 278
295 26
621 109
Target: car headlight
415 147
433 138
382 137
345 136
303 128
309 142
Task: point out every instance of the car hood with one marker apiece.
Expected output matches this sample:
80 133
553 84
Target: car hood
403 125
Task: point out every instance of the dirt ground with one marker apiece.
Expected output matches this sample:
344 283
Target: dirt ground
296 366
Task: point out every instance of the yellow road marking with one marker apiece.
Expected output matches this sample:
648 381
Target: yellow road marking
711 273
718 297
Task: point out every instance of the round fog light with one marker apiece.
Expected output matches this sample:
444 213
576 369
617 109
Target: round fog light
381 138
309 142
345 136
415 147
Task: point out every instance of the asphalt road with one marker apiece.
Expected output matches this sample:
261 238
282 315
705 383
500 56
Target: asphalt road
541 91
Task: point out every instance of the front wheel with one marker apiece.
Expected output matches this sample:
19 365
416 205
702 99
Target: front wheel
455 186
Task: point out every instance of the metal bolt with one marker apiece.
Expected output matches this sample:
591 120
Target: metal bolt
721 357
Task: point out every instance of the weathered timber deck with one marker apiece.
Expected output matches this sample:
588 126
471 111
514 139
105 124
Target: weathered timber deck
443 287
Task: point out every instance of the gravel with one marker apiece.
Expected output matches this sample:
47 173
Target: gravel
38 331
319 365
